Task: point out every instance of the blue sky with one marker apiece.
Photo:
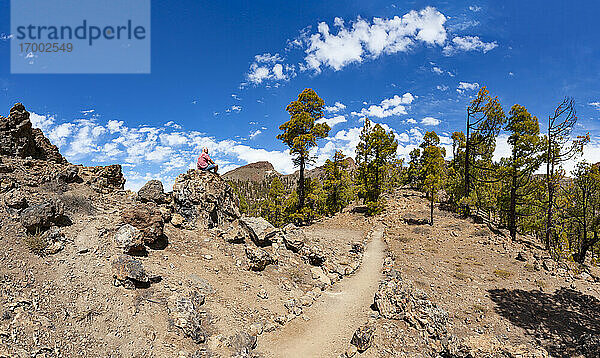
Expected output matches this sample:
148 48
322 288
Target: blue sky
223 72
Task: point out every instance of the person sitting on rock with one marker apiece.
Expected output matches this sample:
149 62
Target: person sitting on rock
205 163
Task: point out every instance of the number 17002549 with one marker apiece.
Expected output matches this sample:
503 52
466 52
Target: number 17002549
45 47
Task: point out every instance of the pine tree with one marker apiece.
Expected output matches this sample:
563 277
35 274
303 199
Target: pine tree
272 208
582 209
525 159
336 184
433 168
485 118
374 154
414 168
301 132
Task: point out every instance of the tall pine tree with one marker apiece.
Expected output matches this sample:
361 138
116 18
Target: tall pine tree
301 132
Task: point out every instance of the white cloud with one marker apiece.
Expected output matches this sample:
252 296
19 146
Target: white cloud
338 106
388 107
437 70
430 121
333 120
235 108
253 134
411 121
468 43
364 39
42 122
466 86
269 67
475 8
595 105
442 87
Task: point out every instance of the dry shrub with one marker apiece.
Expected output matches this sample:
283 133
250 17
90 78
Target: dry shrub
37 243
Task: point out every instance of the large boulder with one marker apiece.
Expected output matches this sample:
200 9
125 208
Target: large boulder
399 299
204 199
43 216
294 238
237 232
258 259
129 239
146 218
19 139
185 314
15 199
265 232
129 272
152 191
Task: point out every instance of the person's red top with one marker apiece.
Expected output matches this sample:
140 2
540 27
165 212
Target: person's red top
203 161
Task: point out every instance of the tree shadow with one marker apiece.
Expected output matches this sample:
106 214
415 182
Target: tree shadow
559 321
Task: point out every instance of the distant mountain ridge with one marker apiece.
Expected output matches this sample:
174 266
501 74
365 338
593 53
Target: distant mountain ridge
264 170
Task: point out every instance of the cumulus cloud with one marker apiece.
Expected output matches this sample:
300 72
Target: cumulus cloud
466 86
149 152
338 106
475 8
430 121
468 43
442 87
369 39
267 67
355 41
333 120
388 107
40 121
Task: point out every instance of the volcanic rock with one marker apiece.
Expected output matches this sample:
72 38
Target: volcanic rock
204 199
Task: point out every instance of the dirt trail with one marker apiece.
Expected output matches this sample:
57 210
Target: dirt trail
335 316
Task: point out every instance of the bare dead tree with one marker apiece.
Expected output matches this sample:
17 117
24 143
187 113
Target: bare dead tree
560 148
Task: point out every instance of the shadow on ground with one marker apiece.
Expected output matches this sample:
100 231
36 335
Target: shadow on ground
565 323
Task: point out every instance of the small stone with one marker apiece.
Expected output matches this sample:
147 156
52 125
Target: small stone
263 294
177 220
363 337
351 351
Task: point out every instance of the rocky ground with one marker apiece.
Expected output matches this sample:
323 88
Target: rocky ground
464 289
88 269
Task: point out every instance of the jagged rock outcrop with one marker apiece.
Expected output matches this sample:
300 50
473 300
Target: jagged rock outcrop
19 139
105 179
204 199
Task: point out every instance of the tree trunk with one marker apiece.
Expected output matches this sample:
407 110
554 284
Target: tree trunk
549 175
301 185
467 161
431 210
512 215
